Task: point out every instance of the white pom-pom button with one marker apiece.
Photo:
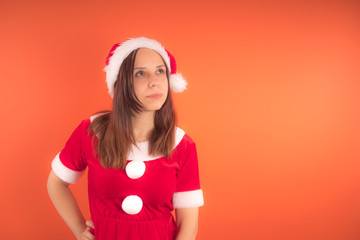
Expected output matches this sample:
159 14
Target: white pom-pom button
135 169
132 204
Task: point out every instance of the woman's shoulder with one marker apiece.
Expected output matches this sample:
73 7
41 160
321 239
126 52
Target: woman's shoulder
182 139
83 126
185 146
98 114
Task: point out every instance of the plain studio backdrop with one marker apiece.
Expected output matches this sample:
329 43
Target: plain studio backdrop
272 103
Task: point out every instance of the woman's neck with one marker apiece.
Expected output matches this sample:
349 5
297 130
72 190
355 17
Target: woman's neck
143 125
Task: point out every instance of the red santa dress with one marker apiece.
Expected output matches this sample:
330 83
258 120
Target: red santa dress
134 203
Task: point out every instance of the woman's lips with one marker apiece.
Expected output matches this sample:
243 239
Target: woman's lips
155 96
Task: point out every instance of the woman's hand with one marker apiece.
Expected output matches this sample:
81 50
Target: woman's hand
87 235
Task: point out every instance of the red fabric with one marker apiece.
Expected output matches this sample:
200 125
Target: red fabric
108 188
188 174
111 52
72 156
172 62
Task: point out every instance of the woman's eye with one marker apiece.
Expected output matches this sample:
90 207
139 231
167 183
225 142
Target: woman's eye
160 71
139 74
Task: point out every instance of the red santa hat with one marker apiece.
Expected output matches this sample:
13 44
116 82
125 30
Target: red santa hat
121 50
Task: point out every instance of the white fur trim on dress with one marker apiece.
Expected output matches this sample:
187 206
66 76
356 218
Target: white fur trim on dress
188 199
142 153
177 82
121 52
95 116
64 173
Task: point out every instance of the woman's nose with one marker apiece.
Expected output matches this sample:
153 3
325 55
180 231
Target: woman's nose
154 81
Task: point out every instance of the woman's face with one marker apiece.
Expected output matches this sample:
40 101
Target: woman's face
150 80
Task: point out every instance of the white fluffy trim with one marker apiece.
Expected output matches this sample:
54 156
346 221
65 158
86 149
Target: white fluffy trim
188 199
64 173
141 152
177 82
121 52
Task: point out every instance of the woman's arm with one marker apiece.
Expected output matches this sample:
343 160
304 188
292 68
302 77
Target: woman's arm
66 205
187 223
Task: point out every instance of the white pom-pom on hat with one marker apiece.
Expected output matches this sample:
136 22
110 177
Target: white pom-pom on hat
120 51
177 82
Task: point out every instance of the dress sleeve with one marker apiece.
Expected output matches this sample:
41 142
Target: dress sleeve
188 192
70 163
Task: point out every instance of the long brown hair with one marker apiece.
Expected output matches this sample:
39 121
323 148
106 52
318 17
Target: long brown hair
113 130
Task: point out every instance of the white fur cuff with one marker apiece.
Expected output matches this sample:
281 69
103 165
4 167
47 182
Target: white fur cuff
64 173
188 199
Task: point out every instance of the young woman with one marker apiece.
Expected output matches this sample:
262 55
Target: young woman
141 166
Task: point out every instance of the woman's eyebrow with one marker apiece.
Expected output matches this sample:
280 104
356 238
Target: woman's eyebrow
145 67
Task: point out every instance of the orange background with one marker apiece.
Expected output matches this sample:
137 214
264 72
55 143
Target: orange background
272 103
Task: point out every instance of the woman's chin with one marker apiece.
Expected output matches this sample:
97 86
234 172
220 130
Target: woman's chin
153 108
